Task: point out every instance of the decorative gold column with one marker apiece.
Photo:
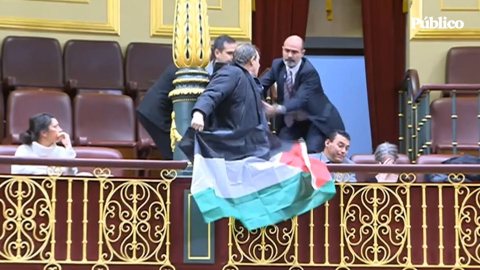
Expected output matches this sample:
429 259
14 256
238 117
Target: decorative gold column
191 54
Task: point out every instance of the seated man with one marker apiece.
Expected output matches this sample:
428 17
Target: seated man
335 151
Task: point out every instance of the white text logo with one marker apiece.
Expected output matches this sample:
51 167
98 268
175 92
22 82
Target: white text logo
439 23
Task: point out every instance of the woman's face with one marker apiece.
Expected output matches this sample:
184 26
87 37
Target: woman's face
51 135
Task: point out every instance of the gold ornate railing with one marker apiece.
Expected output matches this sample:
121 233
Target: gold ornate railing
405 225
130 223
97 221
56 222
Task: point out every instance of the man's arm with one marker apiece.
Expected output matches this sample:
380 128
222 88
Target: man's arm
220 87
309 84
268 79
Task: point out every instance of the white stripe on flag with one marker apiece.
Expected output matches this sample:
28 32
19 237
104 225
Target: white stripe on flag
306 159
233 179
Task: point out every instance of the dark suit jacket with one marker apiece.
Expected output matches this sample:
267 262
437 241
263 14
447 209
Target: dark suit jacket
309 96
155 111
233 98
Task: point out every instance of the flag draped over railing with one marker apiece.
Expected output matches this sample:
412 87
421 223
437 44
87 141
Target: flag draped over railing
237 174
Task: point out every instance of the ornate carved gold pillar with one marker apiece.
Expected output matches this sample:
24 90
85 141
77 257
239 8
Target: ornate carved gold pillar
191 54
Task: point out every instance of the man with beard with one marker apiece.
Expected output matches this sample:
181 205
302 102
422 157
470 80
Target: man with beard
303 110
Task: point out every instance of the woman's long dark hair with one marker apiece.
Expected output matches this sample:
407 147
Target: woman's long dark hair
37 123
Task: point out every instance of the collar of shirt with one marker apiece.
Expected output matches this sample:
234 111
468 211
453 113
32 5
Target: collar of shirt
325 158
209 68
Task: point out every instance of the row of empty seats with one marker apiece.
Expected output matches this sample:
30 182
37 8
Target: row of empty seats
82 65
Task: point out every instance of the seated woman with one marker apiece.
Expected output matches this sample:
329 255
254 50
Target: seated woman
386 154
40 141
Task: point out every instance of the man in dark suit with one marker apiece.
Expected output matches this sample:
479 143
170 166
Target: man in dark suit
304 111
155 110
233 95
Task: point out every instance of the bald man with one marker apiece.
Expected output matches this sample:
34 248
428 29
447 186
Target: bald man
303 110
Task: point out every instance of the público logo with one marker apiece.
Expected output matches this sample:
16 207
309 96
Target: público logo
439 23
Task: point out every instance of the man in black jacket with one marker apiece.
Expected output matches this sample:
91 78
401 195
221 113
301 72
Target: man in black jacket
155 110
233 95
304 111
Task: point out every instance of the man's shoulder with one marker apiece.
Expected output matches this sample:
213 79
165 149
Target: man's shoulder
278 62
276 67
307 66
348 161
170 71
228 71
320 156
229 68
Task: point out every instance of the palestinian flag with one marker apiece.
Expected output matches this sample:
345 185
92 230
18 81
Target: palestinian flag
237 174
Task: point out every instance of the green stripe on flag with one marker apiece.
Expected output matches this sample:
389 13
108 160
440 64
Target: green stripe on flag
268 206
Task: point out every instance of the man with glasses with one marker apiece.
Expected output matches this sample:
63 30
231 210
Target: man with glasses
303 110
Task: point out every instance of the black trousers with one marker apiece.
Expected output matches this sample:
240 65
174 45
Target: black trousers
313 137
159 136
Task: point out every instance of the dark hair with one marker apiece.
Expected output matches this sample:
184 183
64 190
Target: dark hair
334 134
36 124
219 44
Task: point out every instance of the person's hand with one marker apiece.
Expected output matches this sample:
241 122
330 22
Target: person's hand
65 139
387 177
269 109
388 161
197 121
